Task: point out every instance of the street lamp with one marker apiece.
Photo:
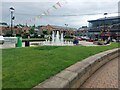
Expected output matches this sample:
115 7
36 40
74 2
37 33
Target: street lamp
66 28
12 18
104 22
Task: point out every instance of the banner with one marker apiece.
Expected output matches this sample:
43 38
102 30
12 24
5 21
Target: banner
47 12
58 3
54 7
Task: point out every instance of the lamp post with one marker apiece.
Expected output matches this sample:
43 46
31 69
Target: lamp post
66 28
12 18
104 22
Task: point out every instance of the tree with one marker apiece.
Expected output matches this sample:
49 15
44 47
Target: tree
32 30
45 32
20 25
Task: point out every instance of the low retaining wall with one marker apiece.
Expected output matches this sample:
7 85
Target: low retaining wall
75 75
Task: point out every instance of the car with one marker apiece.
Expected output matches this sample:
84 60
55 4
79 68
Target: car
85 38
79 38
1 40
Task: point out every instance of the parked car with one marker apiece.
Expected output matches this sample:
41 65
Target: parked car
1 39
79 38
85 38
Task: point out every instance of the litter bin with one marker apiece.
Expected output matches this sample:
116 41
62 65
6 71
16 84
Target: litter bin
27 43
19 42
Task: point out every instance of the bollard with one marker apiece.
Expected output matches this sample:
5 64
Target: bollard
27 43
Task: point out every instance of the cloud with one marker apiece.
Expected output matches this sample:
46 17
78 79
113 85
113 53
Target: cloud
78 11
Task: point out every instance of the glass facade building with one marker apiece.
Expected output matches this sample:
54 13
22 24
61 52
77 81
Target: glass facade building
104 27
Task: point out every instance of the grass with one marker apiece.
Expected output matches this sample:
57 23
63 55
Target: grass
69 39
33 39
27 67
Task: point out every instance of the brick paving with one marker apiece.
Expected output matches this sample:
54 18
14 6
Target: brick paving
105 77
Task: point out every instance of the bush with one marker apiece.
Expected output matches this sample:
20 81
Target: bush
18 35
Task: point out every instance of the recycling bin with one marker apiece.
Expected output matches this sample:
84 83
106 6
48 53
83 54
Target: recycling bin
19 41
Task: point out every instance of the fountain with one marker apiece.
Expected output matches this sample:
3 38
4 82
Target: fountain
57 40
53 35
62 39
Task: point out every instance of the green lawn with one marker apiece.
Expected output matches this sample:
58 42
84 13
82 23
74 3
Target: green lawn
27 67
69 39
33 39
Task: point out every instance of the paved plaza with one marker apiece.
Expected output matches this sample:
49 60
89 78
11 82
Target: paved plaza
105 77
85 43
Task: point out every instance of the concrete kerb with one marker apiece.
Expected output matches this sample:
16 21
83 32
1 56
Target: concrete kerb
75 75
70 76
54 82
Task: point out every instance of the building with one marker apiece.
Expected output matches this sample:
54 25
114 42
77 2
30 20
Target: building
49 28
104 27
82 31
3 25
5 30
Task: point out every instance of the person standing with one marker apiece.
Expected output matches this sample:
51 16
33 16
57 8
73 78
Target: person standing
75 41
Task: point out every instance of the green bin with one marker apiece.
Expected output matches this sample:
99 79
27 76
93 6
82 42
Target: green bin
19 41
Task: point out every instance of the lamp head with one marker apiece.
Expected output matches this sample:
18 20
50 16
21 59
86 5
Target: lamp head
105 13
12 9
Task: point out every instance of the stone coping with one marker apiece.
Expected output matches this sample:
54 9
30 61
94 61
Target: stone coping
75 75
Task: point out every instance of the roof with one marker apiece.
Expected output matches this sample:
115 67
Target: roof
59 27
54 26
107 18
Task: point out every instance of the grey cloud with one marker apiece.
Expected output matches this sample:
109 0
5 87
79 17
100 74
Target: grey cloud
27 10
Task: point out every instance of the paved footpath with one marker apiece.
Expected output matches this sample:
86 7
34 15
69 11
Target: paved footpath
105 77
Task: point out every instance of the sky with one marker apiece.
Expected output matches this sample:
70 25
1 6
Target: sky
75 13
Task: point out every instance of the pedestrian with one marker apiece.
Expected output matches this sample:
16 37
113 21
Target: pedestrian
75 41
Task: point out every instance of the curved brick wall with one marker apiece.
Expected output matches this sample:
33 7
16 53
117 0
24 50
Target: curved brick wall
75 75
